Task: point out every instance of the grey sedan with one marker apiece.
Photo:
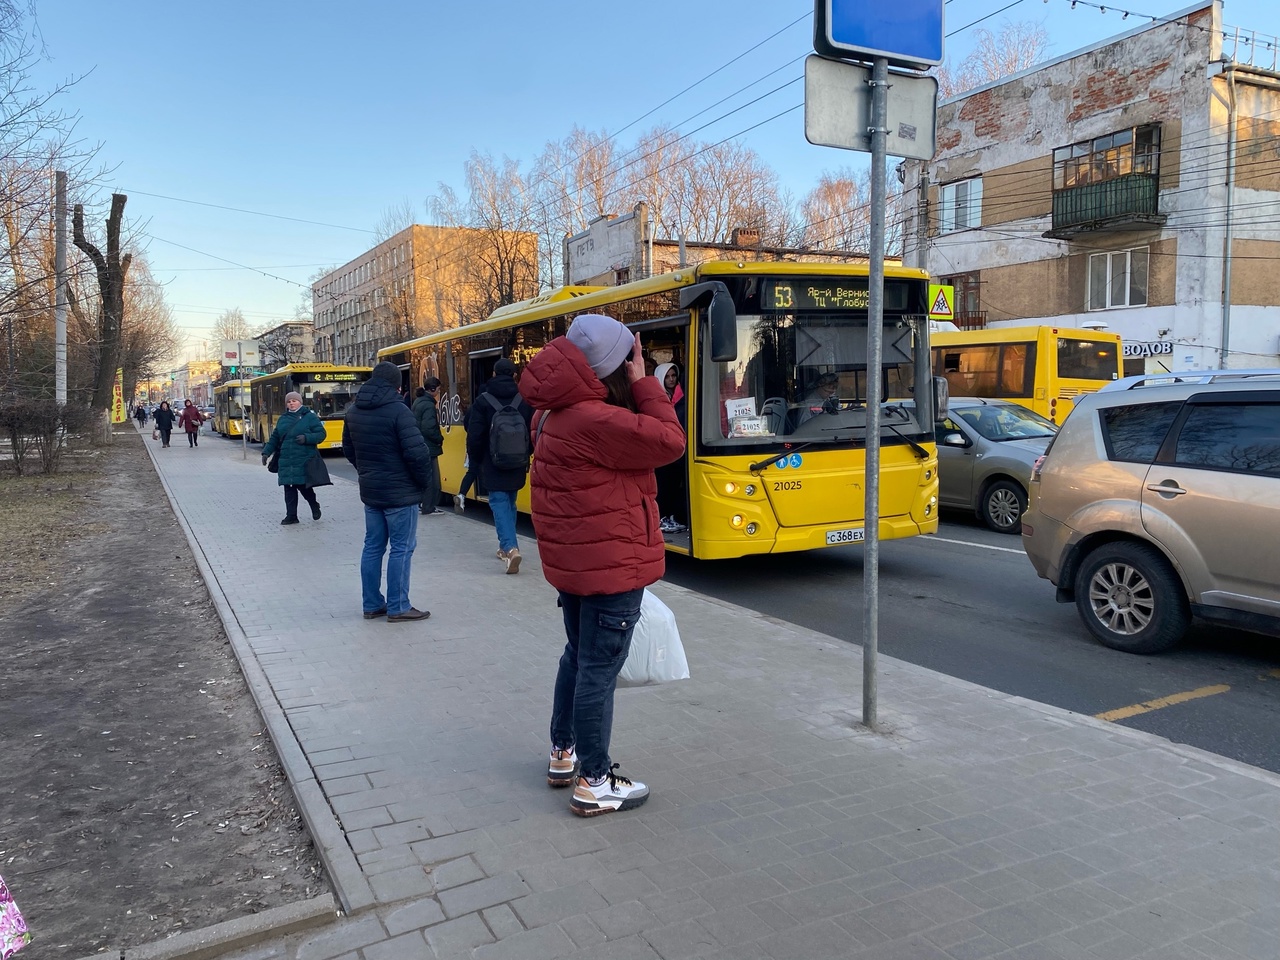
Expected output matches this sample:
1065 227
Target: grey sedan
986 449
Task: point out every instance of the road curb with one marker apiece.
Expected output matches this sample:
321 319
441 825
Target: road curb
346 876
237 934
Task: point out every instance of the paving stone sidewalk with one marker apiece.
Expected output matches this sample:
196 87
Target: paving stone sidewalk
977 825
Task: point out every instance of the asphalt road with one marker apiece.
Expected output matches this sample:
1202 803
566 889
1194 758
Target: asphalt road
967 603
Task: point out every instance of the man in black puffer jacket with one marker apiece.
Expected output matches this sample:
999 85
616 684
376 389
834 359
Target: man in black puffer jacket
381 439
503 485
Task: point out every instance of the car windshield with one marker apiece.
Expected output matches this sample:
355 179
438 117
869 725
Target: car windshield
1006 422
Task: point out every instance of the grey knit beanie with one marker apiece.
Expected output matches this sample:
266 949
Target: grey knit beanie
389 372
603 340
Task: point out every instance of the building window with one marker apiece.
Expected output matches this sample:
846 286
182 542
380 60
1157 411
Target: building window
961 205
1136 150
1118 278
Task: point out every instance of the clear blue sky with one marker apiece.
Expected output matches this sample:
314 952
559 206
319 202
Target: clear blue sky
334 112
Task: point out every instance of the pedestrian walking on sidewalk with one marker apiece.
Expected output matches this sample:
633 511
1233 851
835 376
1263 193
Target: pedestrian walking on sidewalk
191 418
381 439
602 427
424 411
499 445
164 421
297 435
469 469
140 414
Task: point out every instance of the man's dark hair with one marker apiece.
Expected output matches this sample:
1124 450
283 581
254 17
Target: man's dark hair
421 392
431 383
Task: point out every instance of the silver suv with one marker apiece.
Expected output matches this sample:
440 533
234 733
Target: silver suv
1159 499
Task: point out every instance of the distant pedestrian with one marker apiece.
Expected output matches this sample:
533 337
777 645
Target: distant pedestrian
164 421
469 470
140 414
191 418
297 434
381 439
497 409
601 429
425 412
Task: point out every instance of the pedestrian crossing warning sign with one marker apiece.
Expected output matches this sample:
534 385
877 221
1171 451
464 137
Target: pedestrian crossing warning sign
942 299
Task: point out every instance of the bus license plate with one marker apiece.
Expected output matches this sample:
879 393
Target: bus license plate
849 535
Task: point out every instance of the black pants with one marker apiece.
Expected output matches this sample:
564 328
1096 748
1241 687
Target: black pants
431 492
468 479
193 438
291 499
164 434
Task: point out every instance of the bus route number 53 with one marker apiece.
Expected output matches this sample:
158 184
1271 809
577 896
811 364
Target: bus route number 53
848 535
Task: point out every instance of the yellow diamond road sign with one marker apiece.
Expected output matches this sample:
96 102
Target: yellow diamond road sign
942 298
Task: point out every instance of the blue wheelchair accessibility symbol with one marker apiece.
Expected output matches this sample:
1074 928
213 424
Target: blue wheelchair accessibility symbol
796 460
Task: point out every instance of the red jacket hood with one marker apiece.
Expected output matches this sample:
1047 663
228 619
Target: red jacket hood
558 377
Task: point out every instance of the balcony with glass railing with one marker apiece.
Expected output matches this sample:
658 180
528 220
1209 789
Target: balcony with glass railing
1129 202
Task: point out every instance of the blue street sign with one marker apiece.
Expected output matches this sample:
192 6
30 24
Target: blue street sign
908 33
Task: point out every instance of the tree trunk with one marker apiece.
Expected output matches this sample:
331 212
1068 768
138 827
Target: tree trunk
112 270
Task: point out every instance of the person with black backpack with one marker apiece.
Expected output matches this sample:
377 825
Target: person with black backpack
498 440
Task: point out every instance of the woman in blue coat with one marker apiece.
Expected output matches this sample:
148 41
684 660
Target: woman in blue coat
296 436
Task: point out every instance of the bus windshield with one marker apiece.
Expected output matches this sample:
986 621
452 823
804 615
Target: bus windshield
237 400
1086 359
328 400
804 377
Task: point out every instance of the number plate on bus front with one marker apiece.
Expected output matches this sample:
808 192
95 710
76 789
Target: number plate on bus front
848 535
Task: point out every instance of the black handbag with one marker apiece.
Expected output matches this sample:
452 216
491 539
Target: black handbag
274 463
316 472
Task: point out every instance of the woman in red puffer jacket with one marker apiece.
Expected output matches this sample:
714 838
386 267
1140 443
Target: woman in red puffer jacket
600 429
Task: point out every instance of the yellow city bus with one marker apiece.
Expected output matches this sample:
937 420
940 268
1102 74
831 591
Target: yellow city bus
230 407
327 389
768 468
1043 368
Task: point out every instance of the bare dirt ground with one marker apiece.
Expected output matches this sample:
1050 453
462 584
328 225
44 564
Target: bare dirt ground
139 794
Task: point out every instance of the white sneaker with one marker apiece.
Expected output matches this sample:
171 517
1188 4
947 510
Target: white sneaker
562 769
459 503
613 792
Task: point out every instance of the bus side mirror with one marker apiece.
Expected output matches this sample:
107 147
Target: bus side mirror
941 398
720 315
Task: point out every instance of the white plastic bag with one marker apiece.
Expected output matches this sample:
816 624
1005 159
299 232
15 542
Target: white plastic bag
656 654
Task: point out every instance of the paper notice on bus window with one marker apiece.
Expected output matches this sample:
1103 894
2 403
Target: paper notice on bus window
749 427
745 407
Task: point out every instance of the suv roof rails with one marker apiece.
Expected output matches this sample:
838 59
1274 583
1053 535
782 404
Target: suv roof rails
1187 376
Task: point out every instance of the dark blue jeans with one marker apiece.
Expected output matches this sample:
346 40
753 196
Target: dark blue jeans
599 632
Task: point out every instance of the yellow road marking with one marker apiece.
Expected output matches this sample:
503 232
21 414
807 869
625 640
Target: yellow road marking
1124 713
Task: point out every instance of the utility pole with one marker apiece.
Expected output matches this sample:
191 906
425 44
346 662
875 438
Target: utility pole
60 294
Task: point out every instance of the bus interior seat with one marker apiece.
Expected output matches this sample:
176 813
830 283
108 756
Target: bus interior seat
775 409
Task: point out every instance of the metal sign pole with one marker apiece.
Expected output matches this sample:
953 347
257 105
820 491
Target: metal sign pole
875 346
244 411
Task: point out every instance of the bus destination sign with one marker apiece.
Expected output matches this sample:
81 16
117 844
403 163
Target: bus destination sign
333 377
823 294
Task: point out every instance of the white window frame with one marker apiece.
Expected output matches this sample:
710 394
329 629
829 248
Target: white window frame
960 205
1110 265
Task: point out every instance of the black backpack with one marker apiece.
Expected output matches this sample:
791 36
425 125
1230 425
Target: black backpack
508 435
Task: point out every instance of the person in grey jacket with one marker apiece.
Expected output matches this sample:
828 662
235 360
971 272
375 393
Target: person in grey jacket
424 411
381 439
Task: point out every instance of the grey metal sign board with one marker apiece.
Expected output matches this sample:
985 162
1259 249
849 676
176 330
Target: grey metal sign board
907 33
837 109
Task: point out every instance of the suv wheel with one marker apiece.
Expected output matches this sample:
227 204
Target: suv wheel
1002 506
1131 599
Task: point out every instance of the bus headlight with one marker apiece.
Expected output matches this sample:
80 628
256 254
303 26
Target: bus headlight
752 529
730 487
736 521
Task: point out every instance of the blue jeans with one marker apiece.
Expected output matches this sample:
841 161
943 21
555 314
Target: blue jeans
399 526
503 505
599 629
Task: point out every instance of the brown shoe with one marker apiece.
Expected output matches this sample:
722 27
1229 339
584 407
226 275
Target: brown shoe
413 613
512 560
375 614
502 554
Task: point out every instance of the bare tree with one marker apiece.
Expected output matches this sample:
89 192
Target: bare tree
151 339
112 268
230 325
995 55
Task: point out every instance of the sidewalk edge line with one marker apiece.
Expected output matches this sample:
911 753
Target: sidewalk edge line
349 882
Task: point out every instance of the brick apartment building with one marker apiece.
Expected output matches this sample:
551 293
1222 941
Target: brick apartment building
1132 185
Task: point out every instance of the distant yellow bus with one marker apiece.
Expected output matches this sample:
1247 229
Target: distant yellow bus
1043 368
774 369
230 407
327 389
